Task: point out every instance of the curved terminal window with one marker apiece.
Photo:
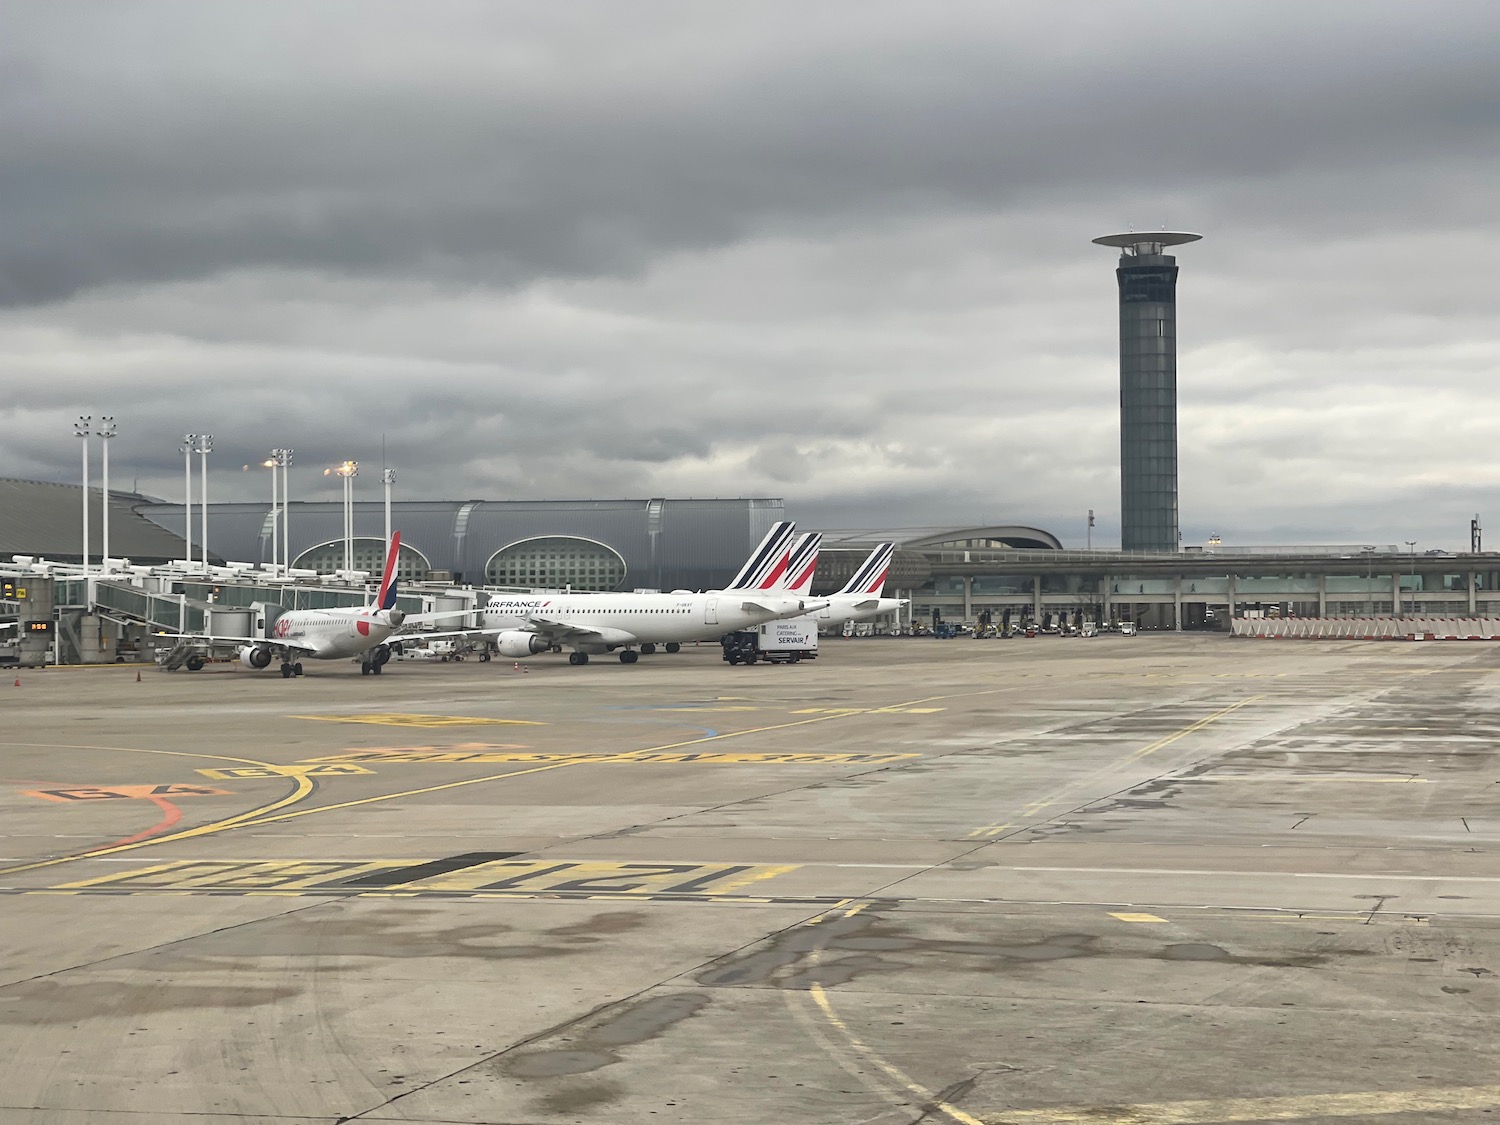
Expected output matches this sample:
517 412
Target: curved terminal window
556 561
369 556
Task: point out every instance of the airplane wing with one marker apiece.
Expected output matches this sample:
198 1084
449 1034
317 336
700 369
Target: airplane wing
217 640
567 632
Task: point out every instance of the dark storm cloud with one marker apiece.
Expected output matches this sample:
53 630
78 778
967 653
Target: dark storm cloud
500 143
834 252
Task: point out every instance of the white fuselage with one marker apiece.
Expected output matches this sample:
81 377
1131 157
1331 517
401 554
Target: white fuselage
627 619
331 634
855 607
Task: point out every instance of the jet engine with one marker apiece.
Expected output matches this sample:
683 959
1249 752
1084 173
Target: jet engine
517 643
255 656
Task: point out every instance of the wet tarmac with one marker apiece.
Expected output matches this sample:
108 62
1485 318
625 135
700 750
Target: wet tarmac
1156 880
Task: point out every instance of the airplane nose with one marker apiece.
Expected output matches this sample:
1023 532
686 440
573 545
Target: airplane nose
396 616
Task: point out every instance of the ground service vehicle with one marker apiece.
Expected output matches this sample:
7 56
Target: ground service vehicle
775 642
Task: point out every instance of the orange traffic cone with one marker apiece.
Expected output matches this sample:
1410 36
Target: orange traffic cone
137 675
516 667
526 671
18 681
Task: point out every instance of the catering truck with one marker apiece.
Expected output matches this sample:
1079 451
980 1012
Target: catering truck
775 642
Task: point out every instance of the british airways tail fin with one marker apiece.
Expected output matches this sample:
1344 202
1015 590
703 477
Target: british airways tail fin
767 563
870 577
387 598
802 563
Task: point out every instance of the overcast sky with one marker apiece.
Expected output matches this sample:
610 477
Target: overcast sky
833 252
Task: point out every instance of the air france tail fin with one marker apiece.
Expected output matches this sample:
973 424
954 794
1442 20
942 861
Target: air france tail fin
387 598
802 563
870 577
767 563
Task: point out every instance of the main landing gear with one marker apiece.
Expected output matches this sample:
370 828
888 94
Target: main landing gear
629 656
290 670
578 658
376 662
648 649
673 646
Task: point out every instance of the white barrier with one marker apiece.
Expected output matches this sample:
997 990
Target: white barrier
1370 628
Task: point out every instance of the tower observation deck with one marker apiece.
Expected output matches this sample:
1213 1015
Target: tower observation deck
1147 277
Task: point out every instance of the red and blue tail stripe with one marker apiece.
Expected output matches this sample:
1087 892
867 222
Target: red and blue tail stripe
387 598
768 562
870 577
803 563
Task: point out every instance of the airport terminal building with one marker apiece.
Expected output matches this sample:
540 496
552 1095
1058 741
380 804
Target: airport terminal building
960 574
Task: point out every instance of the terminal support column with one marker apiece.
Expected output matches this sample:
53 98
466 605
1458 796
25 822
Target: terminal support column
1322 595
1036 598
1396 593
1473 595
1230 589
1177 604
968 599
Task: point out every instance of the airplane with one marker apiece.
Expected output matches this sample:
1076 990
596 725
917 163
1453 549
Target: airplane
520 626
861 599
324 634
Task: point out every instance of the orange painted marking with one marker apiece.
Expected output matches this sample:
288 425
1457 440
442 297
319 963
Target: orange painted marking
123 792
170 815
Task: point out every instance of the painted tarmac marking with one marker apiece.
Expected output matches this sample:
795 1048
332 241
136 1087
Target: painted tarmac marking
1136 917
990 830
815 758
427 870
1191 728
123 792
930 1100
898 709
458 875
302 788
237 772
398 719
1297 1108
305 785
1036 807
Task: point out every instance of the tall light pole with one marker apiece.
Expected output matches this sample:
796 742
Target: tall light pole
348 470
82 428
188 441
204 448
275 513
1411 545
387 478
106 431
283 458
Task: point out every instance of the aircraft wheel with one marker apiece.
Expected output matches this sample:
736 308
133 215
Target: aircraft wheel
194 663
365 669
297 668
484 658
629 656
673 646
648 649
376 669
578 658
286 671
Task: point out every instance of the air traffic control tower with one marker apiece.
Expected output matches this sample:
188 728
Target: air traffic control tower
1148 388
